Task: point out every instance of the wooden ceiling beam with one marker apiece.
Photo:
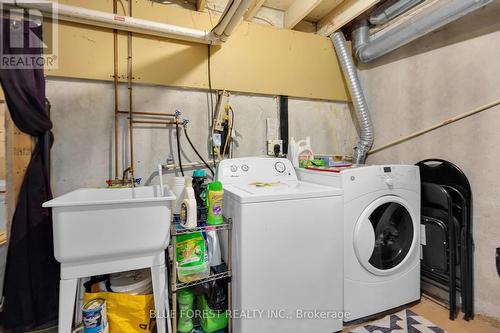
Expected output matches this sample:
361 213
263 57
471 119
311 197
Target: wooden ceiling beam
200 5
298 11
343 14
253 9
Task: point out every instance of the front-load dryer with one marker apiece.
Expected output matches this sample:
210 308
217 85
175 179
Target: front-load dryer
381 235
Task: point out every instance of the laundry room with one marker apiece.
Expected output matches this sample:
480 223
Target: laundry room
249 166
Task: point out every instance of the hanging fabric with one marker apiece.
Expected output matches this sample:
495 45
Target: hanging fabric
32 273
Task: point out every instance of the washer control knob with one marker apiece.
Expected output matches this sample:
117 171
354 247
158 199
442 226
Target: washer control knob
244 167
280 167
389 182
234 168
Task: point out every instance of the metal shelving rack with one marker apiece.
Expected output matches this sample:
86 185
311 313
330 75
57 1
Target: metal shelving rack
175 285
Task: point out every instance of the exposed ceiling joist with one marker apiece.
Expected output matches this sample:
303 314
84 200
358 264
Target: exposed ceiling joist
200 5
298 11
343 14
253 9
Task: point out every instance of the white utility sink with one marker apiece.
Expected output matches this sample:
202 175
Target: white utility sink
100 224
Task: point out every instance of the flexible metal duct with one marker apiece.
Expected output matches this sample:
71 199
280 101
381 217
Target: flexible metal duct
366 136
391 9
429 18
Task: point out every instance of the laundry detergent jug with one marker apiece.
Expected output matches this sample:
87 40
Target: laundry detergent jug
299 152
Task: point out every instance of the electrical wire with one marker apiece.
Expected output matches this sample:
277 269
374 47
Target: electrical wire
178 146
197 153
211 100
229 132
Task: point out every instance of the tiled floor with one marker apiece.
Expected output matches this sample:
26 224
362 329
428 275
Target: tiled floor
438 315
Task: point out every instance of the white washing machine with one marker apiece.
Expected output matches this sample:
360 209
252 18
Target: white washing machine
381 235
287 248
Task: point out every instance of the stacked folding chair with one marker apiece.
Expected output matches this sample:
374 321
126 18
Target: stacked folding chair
447 243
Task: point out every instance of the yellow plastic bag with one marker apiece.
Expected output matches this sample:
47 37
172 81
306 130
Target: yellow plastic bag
127 313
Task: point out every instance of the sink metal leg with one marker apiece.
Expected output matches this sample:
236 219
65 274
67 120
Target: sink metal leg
158 276
67 296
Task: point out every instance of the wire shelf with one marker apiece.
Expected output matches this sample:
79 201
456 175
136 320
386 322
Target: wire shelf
227 225
213 277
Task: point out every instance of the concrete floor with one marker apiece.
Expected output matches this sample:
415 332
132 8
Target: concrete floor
435 313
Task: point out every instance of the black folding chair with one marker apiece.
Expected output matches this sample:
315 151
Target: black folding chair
437 204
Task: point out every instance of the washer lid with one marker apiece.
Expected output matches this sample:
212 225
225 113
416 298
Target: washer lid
276 191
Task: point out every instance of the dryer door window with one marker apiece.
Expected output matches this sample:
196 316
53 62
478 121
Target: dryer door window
393 227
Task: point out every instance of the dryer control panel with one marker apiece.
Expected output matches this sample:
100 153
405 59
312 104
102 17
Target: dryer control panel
255 169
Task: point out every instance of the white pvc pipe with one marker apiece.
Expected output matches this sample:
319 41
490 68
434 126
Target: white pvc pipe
226 17
235 19
127 23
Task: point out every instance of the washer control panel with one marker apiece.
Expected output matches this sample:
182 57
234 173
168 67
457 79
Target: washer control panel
255 169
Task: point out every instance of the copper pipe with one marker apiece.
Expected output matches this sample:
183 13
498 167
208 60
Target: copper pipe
115 83
153 122
159 114
130 100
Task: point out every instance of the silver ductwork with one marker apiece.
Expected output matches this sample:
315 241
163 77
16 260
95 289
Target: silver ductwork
390 9
366 136
428 18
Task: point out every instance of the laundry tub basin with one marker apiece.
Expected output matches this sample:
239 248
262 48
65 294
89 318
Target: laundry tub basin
98 224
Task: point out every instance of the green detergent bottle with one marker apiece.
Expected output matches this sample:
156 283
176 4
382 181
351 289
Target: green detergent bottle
212 321
192 257
215 198
185 301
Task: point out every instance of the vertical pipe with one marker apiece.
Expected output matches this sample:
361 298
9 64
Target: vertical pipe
230 269
130 101
283 109
173 278
115 84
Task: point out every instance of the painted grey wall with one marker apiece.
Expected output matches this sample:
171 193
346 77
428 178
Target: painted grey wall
439 76
82 112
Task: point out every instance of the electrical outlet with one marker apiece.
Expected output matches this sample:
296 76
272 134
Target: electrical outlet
271 144
217 140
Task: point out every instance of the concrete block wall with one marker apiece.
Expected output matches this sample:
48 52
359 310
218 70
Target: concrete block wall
437 77
82 113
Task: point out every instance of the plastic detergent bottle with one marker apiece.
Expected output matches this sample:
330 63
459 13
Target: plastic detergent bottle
185 301
214 198
188 207
200 192
192 257
300 151
177 187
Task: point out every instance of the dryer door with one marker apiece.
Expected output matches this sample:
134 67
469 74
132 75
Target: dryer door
385 235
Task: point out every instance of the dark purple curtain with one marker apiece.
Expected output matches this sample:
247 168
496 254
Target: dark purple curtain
32 273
